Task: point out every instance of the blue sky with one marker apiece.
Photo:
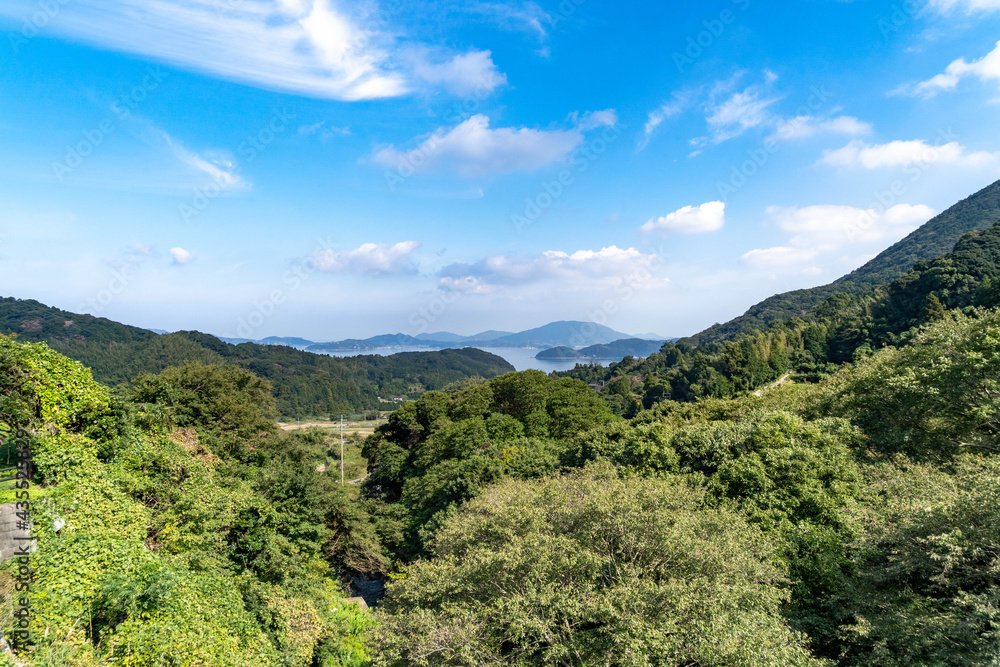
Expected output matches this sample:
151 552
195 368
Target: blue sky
335 169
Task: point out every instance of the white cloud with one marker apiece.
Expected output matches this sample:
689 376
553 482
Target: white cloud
582 270
826 227
593 120
741 112
319 48
474 149
369 259
463 74
969 6
903 153
778 257
803 127
985 69
181 256
823 229
708 217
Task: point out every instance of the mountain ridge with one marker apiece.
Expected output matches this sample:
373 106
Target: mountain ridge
936 237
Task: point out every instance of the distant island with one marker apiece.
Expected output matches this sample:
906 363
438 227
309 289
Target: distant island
569 334
616 350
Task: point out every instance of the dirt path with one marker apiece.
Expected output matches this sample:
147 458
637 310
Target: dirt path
364 429
784 379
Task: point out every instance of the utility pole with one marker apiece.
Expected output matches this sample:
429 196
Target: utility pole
341 450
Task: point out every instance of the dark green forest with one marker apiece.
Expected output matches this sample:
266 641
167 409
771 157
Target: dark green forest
304 384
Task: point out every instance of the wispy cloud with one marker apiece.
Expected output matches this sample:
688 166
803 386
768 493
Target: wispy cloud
310 47
369 259
985 69
218 166
740 112
473 149
324 131
708 217
968 6
731 111
803 127
662 113
904 153
527 16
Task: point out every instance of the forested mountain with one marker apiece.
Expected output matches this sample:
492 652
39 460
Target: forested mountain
304 384
936 237
812 345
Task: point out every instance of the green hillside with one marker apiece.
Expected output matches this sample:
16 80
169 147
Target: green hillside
811 344
937 237
304 384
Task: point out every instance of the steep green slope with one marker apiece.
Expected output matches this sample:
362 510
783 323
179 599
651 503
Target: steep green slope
937 237
35 322
841 329
305 384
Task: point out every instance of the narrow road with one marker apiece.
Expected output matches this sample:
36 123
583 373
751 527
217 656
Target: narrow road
784 379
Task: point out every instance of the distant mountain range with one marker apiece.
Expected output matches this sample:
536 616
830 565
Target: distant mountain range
568 334
615 351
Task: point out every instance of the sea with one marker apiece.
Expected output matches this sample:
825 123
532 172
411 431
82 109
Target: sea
521 358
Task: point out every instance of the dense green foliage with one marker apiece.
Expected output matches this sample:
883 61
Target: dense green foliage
443 449
171 551
877 559
935 238
589 569
304 384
